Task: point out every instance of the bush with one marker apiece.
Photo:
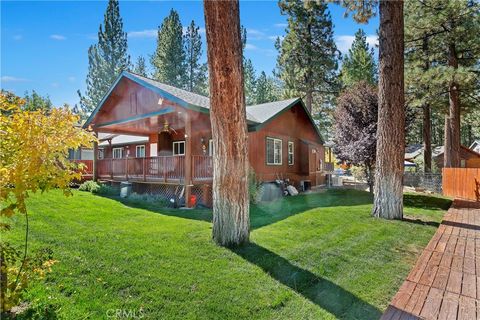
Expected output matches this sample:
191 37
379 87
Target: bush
34 268
106 190
148 198
89 186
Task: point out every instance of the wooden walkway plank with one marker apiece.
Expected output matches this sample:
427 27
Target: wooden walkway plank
445 281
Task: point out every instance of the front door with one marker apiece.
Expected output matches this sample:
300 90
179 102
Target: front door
165 142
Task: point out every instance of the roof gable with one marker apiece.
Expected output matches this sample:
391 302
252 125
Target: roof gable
257 115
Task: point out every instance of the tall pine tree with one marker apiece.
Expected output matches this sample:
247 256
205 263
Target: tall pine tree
442 55
106 59
141 67
250 82
266 89
168 61
196 76
359 64
307 62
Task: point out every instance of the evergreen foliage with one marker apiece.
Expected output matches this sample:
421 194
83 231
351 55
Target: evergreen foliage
106 59
267 89
196 72
168 61
307 61
359 64
141 67
34 101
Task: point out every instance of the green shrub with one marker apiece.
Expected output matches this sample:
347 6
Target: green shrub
148 198
106 190
90 186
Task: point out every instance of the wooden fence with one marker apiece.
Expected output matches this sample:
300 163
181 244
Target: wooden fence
463 183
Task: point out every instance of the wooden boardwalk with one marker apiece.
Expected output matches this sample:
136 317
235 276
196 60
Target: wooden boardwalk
445 281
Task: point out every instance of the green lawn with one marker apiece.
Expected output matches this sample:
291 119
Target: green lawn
311 257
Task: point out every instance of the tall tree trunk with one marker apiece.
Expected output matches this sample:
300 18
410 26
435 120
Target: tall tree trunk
427 121
427 138
451 156
231 225
388 187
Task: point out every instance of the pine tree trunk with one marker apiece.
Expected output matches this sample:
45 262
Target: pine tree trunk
231 223
427 121
451 156
427 138
309 100
388 187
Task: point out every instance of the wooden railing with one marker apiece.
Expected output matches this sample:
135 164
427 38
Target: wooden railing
88 168
155 169
202 168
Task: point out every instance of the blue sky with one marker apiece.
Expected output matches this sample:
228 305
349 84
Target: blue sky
44 43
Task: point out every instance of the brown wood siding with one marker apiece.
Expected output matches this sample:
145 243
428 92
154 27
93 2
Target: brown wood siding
463 183
292 125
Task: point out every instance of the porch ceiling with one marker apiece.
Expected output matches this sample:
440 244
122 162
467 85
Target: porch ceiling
145 124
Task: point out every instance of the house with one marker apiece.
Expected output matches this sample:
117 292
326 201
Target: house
175 147
468 157
475 146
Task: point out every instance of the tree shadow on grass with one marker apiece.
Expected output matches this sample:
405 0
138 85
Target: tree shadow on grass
265 213
322 292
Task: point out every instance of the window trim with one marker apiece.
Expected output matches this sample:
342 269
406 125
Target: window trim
178 142
291 143
101 153
121 153
275 140
137 147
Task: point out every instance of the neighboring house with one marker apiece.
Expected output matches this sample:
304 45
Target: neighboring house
475 146
175 144
468 158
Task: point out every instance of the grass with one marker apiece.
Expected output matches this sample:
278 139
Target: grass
311 257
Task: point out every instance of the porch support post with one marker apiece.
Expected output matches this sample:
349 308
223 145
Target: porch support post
188 159
111 158
95 157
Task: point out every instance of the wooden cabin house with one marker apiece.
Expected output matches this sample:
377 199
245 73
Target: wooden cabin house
177 149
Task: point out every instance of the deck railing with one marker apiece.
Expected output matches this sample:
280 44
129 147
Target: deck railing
162 168
88 168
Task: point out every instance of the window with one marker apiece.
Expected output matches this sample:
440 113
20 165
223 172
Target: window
117 153
274 151
210 147
463 163
179 148
291 153
140 151
101 153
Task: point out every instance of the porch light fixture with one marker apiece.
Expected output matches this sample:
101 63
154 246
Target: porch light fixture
160 101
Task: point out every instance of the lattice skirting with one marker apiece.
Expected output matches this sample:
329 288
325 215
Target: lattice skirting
202 192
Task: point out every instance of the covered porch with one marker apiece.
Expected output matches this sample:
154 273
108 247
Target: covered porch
159 169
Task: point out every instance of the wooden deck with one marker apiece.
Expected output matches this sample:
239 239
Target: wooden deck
445 281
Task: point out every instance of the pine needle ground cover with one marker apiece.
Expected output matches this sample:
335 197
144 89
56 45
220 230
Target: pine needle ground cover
311 257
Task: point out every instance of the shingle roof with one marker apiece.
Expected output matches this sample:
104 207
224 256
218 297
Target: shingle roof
255 113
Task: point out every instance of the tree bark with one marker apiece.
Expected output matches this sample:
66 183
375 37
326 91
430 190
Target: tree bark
427 138
229 126
451 156
388 187
427 121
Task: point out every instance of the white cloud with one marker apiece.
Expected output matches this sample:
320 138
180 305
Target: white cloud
58 37
55 84
249 46
71 79
254 34
13 79
147 33
280 25
17 37
344 42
